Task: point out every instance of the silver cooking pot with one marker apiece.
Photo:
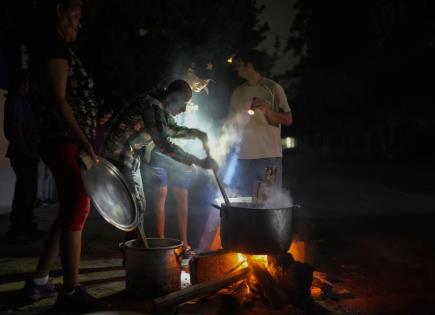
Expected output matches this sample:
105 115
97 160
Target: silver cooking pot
250 229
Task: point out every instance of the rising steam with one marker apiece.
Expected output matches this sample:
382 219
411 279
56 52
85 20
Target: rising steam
277 199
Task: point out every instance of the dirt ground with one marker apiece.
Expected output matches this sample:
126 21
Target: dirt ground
367 226
386 263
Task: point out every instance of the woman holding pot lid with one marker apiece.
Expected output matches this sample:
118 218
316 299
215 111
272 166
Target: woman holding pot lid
69 120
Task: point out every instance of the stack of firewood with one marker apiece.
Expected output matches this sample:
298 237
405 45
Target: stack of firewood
280 282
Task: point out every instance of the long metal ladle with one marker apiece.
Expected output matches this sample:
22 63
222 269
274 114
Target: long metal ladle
216 176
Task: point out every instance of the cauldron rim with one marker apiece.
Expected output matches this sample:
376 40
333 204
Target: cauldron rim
239 206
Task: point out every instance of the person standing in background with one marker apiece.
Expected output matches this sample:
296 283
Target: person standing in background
46 189
68 126
260 133
20 129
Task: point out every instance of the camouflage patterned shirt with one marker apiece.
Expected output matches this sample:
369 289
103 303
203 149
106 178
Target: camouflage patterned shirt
141 126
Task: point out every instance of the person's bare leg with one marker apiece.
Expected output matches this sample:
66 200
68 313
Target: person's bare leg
159 208
50 252
70 250
181 198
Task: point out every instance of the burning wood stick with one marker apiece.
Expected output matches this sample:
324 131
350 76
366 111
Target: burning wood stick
199 290
293 277
211 265
272 292
319 280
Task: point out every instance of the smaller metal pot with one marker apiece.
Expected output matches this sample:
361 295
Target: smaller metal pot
153 271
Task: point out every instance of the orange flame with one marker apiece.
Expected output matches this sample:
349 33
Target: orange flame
297 249
242 259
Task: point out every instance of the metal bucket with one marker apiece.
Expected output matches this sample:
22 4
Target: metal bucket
154 271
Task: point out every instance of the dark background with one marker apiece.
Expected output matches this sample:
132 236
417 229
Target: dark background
362 87
361 91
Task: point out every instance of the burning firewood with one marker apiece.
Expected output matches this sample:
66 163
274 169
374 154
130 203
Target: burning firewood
328 291
271 291
320 281
293 277
237 296
211 265
199 290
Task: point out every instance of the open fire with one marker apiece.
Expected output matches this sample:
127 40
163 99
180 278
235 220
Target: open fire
275 280
243 259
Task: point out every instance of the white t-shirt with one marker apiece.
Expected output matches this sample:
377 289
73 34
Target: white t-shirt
258 138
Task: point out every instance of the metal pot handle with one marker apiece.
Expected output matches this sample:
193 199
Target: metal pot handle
216 206
178 256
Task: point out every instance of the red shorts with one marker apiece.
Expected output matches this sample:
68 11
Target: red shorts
74 203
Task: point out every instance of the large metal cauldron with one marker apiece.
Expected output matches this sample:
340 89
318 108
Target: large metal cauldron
249 229
153 271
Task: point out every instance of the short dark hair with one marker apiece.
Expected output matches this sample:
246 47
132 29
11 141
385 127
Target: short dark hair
259 59
179 86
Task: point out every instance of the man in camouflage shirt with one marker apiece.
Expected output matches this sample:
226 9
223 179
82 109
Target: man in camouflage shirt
141 132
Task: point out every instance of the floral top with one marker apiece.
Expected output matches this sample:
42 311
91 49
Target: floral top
79 95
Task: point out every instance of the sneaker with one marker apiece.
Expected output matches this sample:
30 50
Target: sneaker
36 292
78 302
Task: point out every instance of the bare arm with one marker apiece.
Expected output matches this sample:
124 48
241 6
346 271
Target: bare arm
154 120
177 131
281 117
278 118
57 76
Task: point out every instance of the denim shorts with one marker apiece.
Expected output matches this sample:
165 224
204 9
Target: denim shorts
248 172
164 170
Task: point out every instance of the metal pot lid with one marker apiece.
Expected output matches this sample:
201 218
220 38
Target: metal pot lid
110 195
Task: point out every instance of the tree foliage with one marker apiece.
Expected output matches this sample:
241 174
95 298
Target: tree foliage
151 40
132 46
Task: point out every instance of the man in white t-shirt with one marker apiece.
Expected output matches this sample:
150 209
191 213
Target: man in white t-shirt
258 109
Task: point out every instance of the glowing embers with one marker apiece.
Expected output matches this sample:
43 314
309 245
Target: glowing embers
297 250
245 259
275 280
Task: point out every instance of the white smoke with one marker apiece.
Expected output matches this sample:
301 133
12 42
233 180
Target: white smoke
220 141
278 198
220 144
